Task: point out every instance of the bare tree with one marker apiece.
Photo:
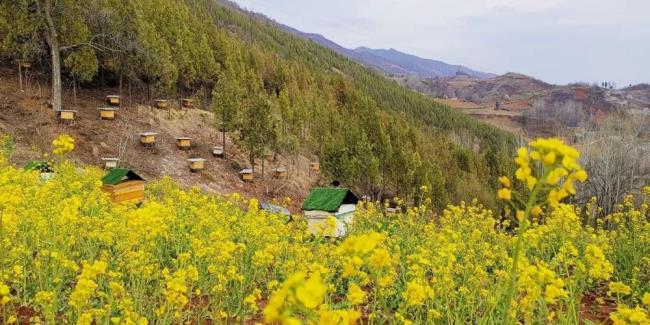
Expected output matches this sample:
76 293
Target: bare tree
614 154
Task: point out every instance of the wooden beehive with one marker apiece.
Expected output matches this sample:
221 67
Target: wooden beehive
67 115
113 100
24 64
162 103
196 164
217 151
110 162
246 175
187 103
280 173
107 113
314 166
123 185
148 138
184 143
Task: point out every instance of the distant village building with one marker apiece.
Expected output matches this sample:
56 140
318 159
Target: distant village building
123 185
323 203
314 166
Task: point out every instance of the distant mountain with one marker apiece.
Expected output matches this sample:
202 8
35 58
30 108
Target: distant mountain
403 62
393 62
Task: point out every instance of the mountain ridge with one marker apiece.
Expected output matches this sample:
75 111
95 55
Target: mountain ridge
392 61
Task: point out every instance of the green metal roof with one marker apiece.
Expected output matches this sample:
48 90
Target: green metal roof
328 199
117 175
34 165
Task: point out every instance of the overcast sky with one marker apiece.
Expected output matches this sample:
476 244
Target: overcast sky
559 41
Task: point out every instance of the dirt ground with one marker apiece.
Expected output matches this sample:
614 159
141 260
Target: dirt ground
26 116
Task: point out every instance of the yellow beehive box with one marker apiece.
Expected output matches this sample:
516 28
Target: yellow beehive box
196 164
162 103
123 185
246 175
187 103
184 143
148 138
280 173
113 100
107 113
67 115
110 162
24 64
217 151
314 166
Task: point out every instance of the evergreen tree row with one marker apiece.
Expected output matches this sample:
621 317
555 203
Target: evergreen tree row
272 91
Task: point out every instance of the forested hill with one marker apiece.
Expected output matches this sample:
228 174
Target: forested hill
272 91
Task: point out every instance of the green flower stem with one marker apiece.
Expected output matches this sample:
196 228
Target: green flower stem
523 225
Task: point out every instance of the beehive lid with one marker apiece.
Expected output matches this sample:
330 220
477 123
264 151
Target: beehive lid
329 199
195 159
275 209
183 138
108 108
145 134
280 170
113 96
246 171
118 175
217 149
160 100
34 164
110 159
67 110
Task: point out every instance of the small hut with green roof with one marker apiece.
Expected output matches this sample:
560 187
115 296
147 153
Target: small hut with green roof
123 185
323 203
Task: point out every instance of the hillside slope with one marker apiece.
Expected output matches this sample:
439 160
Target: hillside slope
272 92
26 117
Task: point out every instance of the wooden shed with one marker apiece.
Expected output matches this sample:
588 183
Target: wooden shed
67 115
107 113
217 151
196 164
123 185
161 103
246 174
314 166
110 162
323 203
280 173
184 143
187 103
113 100
148 139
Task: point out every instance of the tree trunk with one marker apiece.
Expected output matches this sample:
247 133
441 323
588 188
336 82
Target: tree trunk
20 75
223 141
52 38
252 161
